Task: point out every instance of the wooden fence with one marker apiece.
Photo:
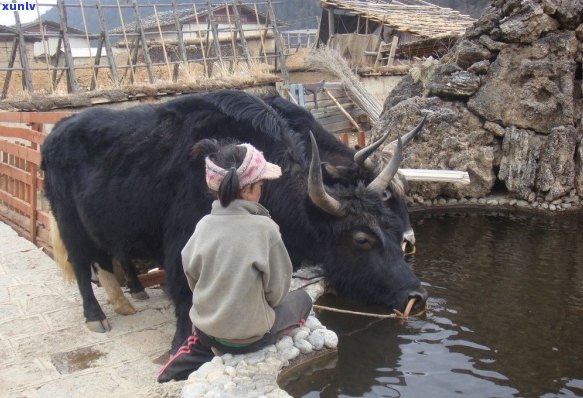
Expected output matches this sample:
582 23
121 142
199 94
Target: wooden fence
139 43
22 201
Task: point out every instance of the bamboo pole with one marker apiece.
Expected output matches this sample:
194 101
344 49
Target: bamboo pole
46 48
350 118
163 43
125 38
278 42
144 43
215 31
261 36
26 78
72 85
233 34
10 66
181 47
94 71
108 49
236 5
202 49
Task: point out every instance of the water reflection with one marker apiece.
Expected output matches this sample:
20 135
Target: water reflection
506 317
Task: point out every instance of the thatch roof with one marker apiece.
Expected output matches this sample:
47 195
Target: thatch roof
184 16
420 18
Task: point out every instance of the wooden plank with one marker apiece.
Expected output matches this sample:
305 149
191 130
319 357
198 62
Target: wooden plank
152 278
43 218
16 173
33 117
338 127
28 154
14 202
24 134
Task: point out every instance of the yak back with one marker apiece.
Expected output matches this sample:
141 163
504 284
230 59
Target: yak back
131 179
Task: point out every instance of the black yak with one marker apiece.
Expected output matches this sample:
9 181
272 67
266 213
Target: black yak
123 184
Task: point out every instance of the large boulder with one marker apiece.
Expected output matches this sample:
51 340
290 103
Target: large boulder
505 104
452 138
531 87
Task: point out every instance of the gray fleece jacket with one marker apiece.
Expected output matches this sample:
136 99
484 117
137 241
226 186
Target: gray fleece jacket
238 269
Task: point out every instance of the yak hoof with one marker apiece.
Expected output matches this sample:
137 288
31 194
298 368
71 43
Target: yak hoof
124 308
140 295
101 326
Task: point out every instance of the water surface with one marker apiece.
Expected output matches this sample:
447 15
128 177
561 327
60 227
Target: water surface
506 317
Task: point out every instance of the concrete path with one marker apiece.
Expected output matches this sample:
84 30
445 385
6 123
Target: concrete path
46 350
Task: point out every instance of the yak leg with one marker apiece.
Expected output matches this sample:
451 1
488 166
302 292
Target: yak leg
82 253
136 289
181 295
109 282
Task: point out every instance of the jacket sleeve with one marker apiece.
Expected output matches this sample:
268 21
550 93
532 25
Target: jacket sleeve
189 262
277 280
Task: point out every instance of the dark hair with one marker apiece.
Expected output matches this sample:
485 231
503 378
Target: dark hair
228 157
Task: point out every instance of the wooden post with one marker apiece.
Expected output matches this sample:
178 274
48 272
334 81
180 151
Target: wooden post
144 42
233 34
350 119
236 5
96 64
107 42
207 71
261 36
10 66
330 24
26 78
56 64
125 38
163 43
94 71
393 49
215 30
179 36
33 169
46 49
278 42
71 80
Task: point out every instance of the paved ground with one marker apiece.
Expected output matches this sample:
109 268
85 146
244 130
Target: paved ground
46 350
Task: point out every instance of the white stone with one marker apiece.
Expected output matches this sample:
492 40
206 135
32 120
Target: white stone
290 353
313 323
207 368
194 389
255 357
301 334
285 343
330 339
304 346
316 339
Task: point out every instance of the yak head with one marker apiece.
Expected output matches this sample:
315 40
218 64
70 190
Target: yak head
363 226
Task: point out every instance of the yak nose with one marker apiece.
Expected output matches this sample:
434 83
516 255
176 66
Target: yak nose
420 296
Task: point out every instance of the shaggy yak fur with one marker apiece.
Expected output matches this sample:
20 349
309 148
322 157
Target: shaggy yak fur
123 184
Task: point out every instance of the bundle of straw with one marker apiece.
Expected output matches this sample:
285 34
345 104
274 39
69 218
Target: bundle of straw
329 60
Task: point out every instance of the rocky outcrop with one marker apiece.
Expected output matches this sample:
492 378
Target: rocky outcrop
505 104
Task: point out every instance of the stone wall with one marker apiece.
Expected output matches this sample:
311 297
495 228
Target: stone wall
505 104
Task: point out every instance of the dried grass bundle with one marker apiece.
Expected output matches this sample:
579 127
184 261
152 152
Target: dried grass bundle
329 60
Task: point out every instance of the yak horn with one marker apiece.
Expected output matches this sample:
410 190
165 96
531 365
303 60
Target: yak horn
382 181
316 190
361 157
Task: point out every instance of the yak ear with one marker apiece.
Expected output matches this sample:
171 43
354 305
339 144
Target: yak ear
205 147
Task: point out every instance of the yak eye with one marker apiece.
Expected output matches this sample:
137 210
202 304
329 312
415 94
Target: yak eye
362 240
387 195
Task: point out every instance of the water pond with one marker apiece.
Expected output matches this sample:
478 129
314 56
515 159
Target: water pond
505 318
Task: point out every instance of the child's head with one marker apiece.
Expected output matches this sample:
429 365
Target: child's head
238 172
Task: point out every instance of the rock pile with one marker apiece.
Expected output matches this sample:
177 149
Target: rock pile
505 104
255 374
